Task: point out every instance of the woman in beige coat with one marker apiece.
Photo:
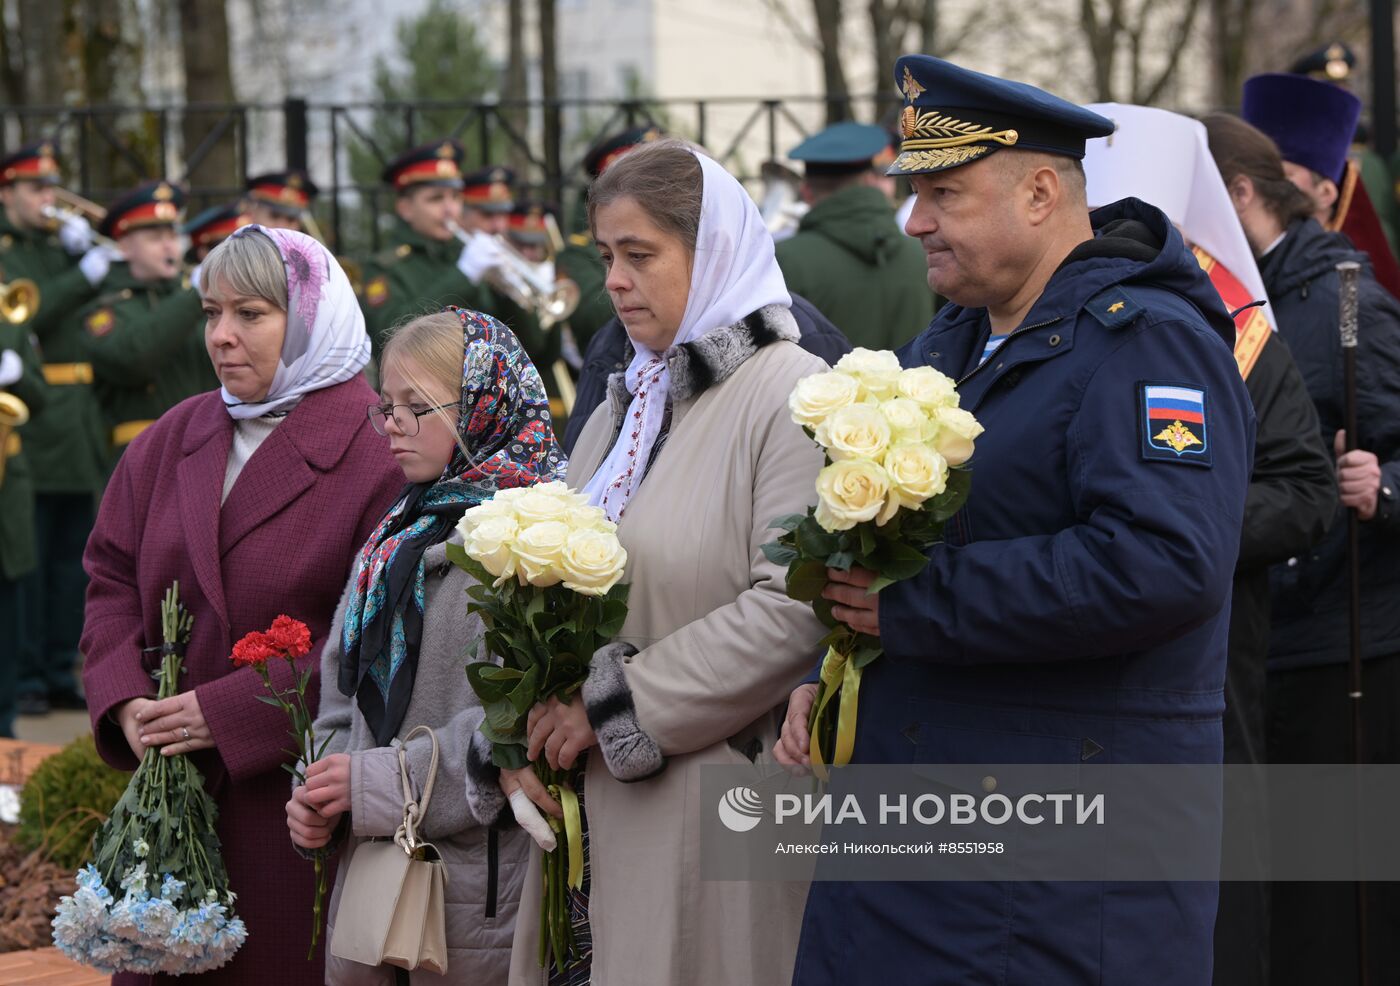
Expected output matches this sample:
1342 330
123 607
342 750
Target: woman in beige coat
694 455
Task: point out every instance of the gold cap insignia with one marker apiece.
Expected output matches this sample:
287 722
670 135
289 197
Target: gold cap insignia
445 149
910 86
163 193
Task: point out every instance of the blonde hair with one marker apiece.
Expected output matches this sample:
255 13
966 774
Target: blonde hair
434 344
247 265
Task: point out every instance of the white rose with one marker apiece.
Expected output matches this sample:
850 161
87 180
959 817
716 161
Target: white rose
908 421
815 398
490 542
957 430
584 517
495 507
916 473
928 387
592 562
850 492
538 504
537 551
877 371
858 431
860 361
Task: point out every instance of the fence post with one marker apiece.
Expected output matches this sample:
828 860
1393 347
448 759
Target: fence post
294 122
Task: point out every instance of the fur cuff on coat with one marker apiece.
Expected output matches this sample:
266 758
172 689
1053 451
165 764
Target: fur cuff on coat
484 796
631 755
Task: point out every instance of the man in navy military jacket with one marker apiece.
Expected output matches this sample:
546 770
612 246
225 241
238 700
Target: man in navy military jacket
1079 611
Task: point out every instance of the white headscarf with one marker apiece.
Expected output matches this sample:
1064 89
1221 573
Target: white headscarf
1164 159
326 342
735 273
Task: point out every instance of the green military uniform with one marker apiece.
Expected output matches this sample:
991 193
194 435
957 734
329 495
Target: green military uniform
17 546
145 341
64 448
851 260
67 450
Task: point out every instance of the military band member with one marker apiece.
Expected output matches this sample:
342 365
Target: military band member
527 231
210 228
848 256
426 265
144 333
1078 612
281 199
579 260
66 446
21 378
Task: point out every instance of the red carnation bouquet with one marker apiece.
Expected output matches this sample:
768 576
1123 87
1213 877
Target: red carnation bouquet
288 639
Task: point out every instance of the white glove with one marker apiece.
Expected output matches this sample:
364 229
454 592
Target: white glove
97 262
194 276
11 368
479 256
531 819
75 233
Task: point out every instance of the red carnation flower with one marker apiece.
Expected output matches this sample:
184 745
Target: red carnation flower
291 637
253 650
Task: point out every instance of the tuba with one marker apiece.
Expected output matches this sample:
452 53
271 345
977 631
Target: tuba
19 300
530 285
13 413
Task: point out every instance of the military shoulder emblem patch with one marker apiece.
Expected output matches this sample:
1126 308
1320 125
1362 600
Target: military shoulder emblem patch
1173 421
377 291
100 322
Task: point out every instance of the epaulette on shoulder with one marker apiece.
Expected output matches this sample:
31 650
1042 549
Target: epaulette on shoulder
580 240
1114 307
111 298
392 255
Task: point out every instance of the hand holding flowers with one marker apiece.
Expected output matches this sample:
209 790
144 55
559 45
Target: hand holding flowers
896 446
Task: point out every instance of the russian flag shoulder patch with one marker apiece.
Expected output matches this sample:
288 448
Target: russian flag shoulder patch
1173 421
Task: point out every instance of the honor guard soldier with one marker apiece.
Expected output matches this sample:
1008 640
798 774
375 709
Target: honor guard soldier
281 200
579 260
22 394
431 261
66 446
848 256
210 228
1078 611
144 333
1313 124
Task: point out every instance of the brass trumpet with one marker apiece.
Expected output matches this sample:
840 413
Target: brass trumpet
13 413
19 300
530 285
57 215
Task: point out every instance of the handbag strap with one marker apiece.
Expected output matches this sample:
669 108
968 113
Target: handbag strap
415 809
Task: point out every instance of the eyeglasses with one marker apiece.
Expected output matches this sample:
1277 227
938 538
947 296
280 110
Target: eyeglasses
405 417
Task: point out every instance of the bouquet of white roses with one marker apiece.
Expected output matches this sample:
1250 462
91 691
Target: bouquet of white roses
896 446
155 898
548 566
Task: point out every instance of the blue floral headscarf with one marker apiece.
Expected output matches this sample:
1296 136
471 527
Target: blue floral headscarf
504 423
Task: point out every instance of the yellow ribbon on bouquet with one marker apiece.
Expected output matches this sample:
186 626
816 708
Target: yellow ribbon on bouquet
573 831
839 674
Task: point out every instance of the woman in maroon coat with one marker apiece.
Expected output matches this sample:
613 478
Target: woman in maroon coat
255 498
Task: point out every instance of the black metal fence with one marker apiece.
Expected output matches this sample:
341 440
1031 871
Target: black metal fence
106 149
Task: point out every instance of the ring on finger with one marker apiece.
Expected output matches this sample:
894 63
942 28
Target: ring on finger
186 733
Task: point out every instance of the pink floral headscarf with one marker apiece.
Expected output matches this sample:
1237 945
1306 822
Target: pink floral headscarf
326 341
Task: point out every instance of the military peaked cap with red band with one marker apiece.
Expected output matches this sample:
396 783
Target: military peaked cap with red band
35 162
489 189
288 192
435 164
151 203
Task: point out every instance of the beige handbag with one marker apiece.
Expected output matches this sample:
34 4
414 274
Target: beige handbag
391 909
